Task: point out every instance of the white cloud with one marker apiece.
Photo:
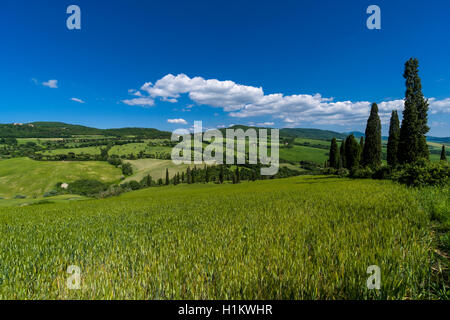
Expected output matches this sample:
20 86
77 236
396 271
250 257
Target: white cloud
243 101
135 93
439 106
265 124
177 121
77 100
51 84
142 102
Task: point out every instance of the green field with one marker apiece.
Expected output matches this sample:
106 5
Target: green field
135 148
302 153
86 150
154 167
297 238
33 178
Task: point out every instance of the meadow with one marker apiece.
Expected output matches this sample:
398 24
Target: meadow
23 176
297 238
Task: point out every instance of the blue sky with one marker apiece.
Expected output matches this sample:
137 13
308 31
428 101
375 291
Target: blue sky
279 63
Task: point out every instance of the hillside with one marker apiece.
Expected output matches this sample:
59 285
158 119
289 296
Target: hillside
23 176
64 130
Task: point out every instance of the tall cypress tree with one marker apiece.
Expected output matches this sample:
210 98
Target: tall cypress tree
443 154
238 176
412 143
342 161
393 140
188 175
206 174
167 177
372 146
333 161
352 152
422 109
221 174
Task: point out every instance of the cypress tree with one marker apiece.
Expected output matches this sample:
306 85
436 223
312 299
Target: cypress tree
352 152
188 175
361 148
333 161
393 140
410 146
342 161
421 106
372 146
221 174
238 178
443 155
167 177
206 174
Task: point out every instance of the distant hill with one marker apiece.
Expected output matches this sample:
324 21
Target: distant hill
356 134
445 140
312 133
317 134
64 130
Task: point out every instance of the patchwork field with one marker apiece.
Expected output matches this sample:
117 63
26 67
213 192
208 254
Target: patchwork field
23 176
276 239
154 167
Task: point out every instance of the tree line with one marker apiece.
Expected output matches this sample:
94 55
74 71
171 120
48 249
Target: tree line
407 145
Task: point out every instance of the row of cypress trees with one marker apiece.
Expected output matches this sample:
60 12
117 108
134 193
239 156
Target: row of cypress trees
406 143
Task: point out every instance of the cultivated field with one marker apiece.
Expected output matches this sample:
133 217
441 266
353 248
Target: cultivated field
297 238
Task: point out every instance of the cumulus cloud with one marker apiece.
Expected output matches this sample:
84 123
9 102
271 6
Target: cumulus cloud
243 101
77 100
177 121
51 84
264 124
439 106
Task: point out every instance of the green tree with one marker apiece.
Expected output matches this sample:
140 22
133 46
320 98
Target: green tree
167 177
421 106
333 161
412 144
221 174
206 174
372 146
361 148
188 175
393 140
342 162
238 176
443 154
352 152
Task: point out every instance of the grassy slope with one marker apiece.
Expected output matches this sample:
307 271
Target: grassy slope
276 239
302 153
28 177
154 167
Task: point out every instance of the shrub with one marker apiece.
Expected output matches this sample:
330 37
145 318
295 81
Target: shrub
20 196
134 185
423 173
127 169
87 187
361 173
383 172
51 193
343 172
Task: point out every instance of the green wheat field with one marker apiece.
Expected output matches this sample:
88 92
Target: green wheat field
309 237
